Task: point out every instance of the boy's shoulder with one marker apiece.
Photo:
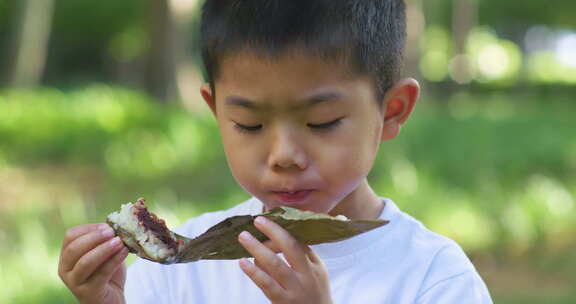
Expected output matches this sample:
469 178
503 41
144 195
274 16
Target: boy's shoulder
442 257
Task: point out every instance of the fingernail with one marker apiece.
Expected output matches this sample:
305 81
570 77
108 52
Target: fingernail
244 263
245 235
108 232
103 226
260 220
114 242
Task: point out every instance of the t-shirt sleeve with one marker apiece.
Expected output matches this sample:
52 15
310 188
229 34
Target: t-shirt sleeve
453 279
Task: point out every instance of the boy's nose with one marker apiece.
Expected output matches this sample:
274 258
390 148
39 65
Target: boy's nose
286 152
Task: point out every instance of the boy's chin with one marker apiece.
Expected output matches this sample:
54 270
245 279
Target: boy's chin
300 206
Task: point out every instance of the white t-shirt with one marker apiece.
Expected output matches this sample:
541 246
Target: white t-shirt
402 262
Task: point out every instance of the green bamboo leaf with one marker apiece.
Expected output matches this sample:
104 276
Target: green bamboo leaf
220 242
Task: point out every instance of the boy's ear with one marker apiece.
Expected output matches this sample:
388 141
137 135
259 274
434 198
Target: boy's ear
208 97
398 105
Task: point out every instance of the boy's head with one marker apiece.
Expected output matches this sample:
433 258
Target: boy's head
304 91
366 36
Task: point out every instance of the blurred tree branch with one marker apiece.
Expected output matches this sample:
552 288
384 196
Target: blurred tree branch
171 73
416 23
30 43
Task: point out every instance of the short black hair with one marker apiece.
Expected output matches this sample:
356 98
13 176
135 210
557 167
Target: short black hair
368 35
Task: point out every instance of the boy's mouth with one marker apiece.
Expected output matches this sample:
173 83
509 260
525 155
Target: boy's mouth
292 196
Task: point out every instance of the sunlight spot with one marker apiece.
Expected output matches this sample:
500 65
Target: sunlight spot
559 201
493 61
566 49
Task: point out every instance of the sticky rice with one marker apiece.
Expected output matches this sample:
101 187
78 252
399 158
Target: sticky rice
144 233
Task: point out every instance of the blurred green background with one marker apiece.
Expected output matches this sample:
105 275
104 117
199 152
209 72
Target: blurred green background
99 106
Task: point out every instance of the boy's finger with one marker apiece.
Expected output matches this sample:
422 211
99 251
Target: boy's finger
90 261
268 260
75 232
272 246
80 246
103 275
264 281
292 249
312 255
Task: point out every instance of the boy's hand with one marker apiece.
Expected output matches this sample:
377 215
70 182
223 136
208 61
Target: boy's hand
303 281
91 264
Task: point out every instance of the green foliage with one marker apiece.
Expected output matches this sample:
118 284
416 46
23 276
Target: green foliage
557 13
91 23
495 172
506 14
119 129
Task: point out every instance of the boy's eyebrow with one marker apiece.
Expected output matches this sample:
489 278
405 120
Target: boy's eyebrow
241 101
309 101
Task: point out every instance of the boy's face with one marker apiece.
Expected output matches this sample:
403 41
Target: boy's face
297 131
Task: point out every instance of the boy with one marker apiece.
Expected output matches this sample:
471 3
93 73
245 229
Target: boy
303 91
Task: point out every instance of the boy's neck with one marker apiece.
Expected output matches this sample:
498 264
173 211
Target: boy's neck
362 203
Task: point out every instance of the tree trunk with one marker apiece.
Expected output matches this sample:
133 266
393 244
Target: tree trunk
30 43
464 19
160 79
188 76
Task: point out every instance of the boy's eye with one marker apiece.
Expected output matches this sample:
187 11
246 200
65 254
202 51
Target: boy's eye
244 128
320 127
327 125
